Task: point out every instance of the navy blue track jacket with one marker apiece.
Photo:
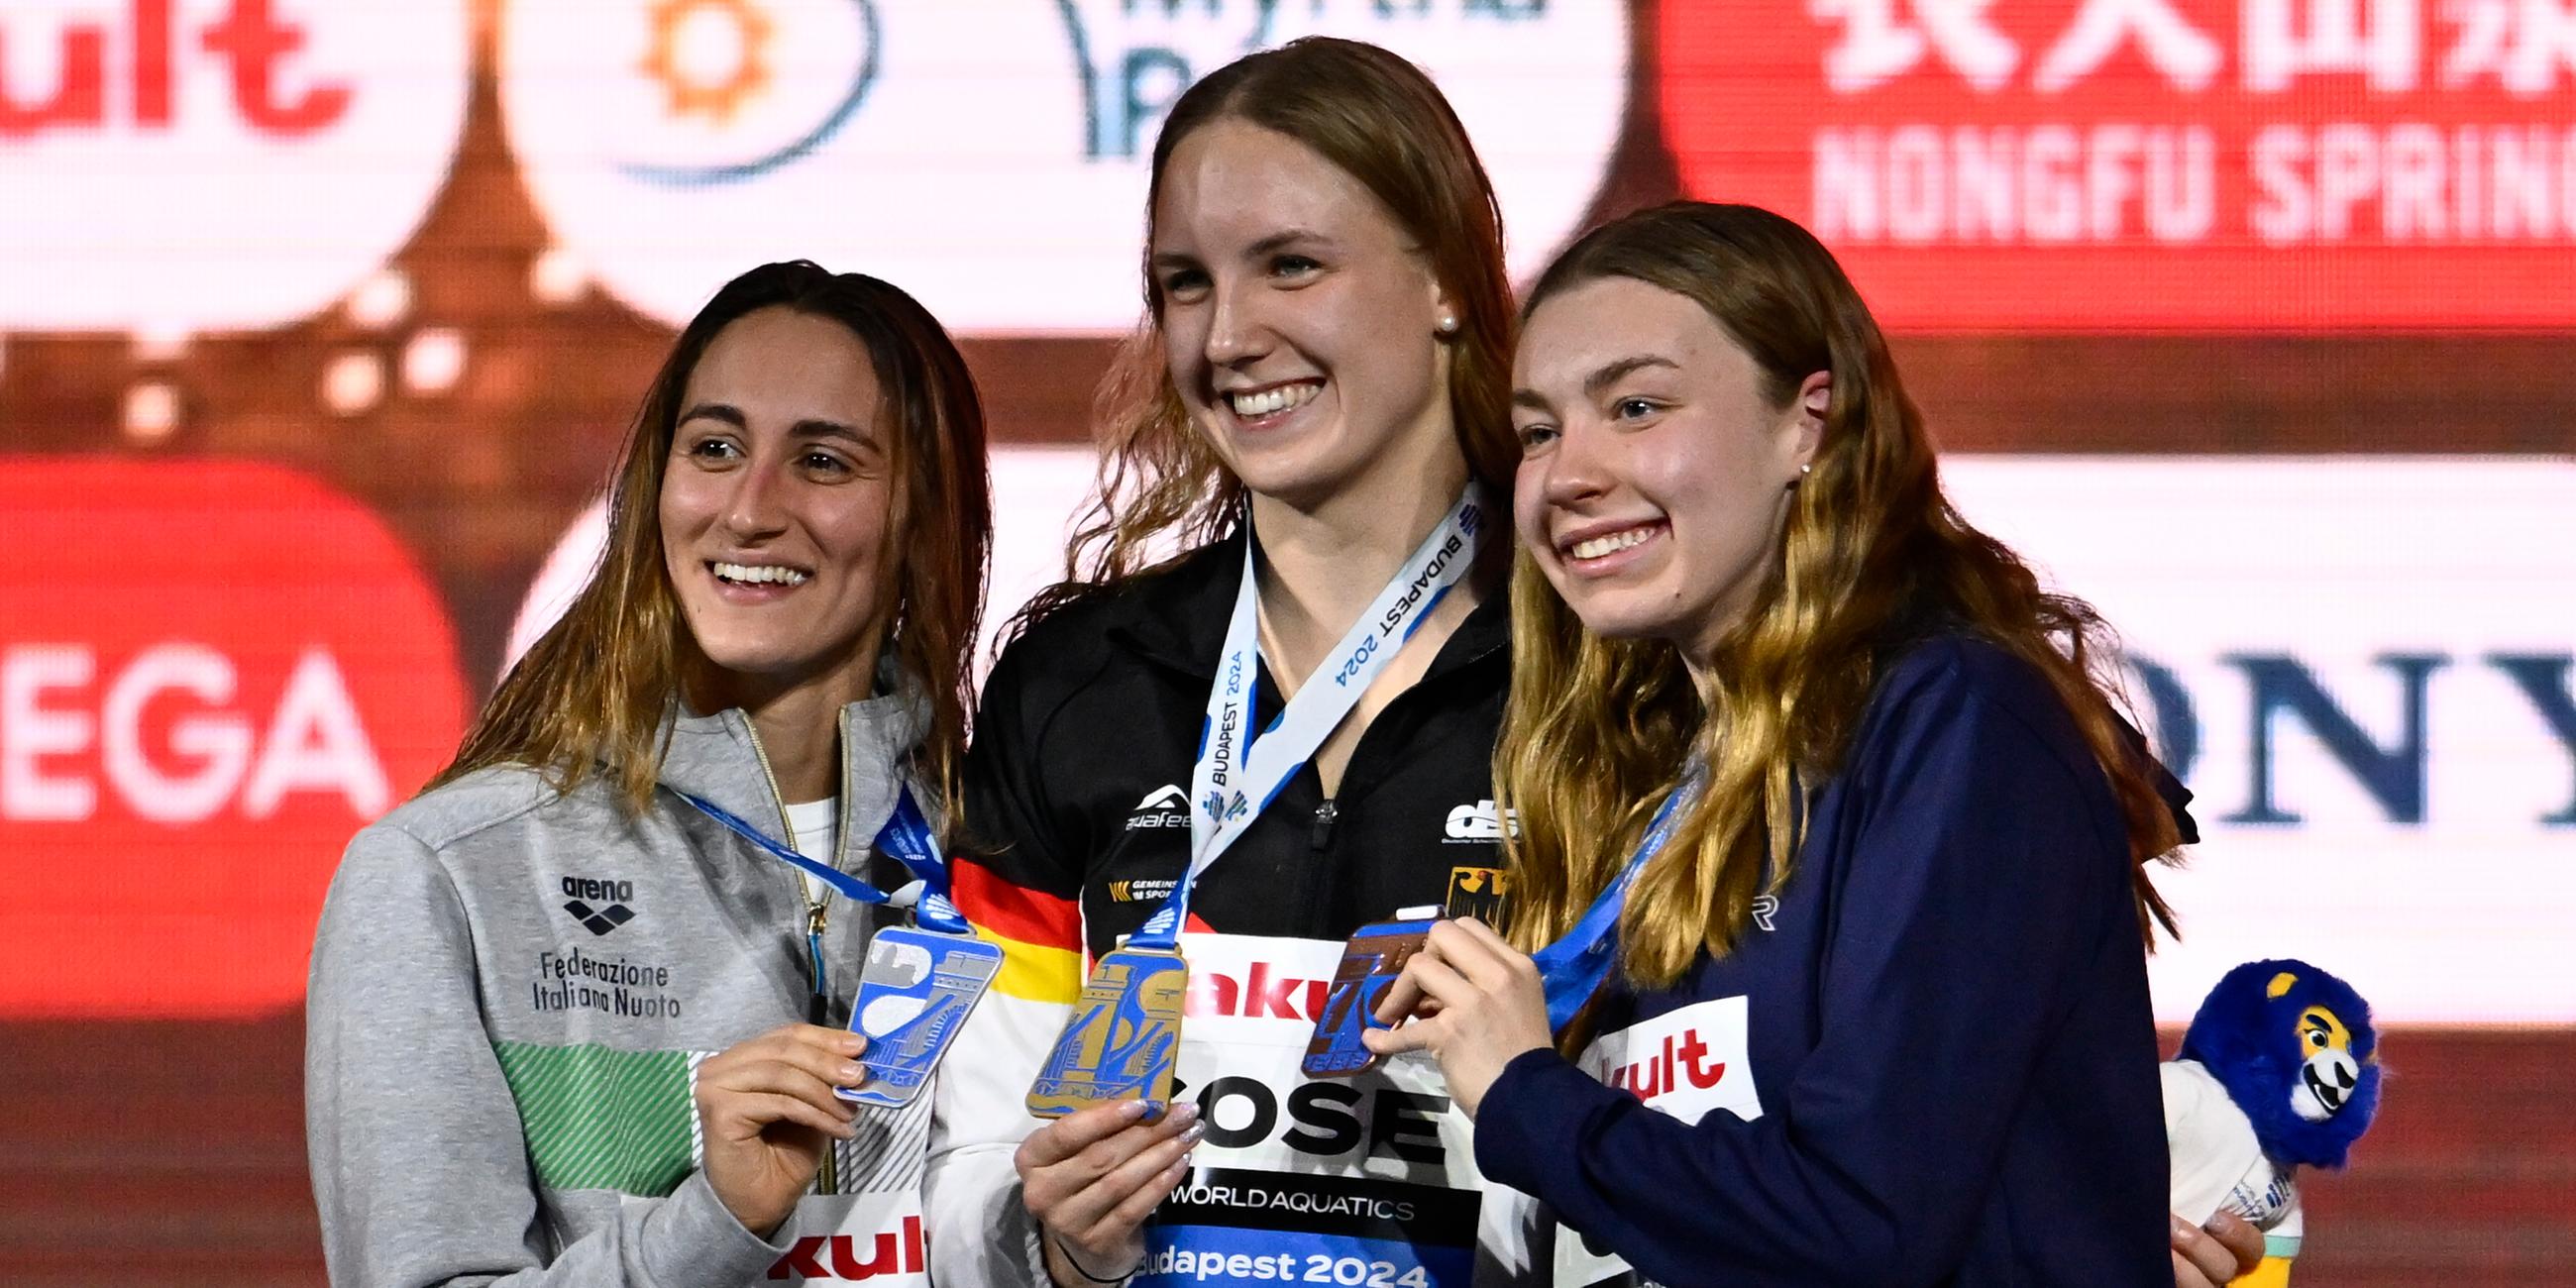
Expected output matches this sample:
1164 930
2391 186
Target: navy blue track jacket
1930 1061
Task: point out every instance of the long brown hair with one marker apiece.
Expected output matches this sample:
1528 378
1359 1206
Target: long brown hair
1595 729
589 697
1380 120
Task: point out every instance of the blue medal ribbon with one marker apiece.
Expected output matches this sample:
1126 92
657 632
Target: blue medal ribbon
1571 969
906 835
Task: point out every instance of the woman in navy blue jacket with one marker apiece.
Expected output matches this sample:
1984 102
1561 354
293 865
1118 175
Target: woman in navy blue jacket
1831 852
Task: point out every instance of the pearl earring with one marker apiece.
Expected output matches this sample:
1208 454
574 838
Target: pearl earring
1448 324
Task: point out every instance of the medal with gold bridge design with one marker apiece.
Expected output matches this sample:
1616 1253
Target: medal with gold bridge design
1124 1040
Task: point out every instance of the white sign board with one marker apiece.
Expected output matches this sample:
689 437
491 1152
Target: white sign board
989 156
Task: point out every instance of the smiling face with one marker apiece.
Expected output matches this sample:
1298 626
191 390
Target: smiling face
1301 329
1656 473
779 508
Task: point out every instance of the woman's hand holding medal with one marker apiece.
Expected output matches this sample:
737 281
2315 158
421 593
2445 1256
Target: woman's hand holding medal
1093 1176
1475 1002
768 1112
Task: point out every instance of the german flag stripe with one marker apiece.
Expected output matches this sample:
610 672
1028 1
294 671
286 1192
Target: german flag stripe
1015 912
1034 972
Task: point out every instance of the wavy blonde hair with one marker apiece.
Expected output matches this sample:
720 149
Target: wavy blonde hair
1872 555
1380 120
590 695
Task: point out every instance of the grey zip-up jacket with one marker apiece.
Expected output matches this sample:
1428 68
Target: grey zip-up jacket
513 988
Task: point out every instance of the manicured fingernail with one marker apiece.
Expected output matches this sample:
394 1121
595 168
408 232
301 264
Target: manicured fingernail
1196 1130
1134 1109
1185 1111
2181 1227
853 1075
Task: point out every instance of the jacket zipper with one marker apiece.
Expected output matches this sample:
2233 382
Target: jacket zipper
1322 834
817 915
1319 838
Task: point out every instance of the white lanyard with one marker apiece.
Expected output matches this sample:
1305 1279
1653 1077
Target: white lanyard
1238 772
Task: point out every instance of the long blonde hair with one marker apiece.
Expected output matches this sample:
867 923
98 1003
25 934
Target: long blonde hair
591 694
1380 120
1873 554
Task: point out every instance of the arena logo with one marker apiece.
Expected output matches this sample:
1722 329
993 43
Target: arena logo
249 672
305 138
998 150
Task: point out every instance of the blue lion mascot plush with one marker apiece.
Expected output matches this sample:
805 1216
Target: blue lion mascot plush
2279 1070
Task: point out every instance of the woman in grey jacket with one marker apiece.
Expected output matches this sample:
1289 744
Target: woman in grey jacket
564 1026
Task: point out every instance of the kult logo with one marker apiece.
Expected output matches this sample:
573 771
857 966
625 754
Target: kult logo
1680 1057
250 44
837 1256
1265 991
305 138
